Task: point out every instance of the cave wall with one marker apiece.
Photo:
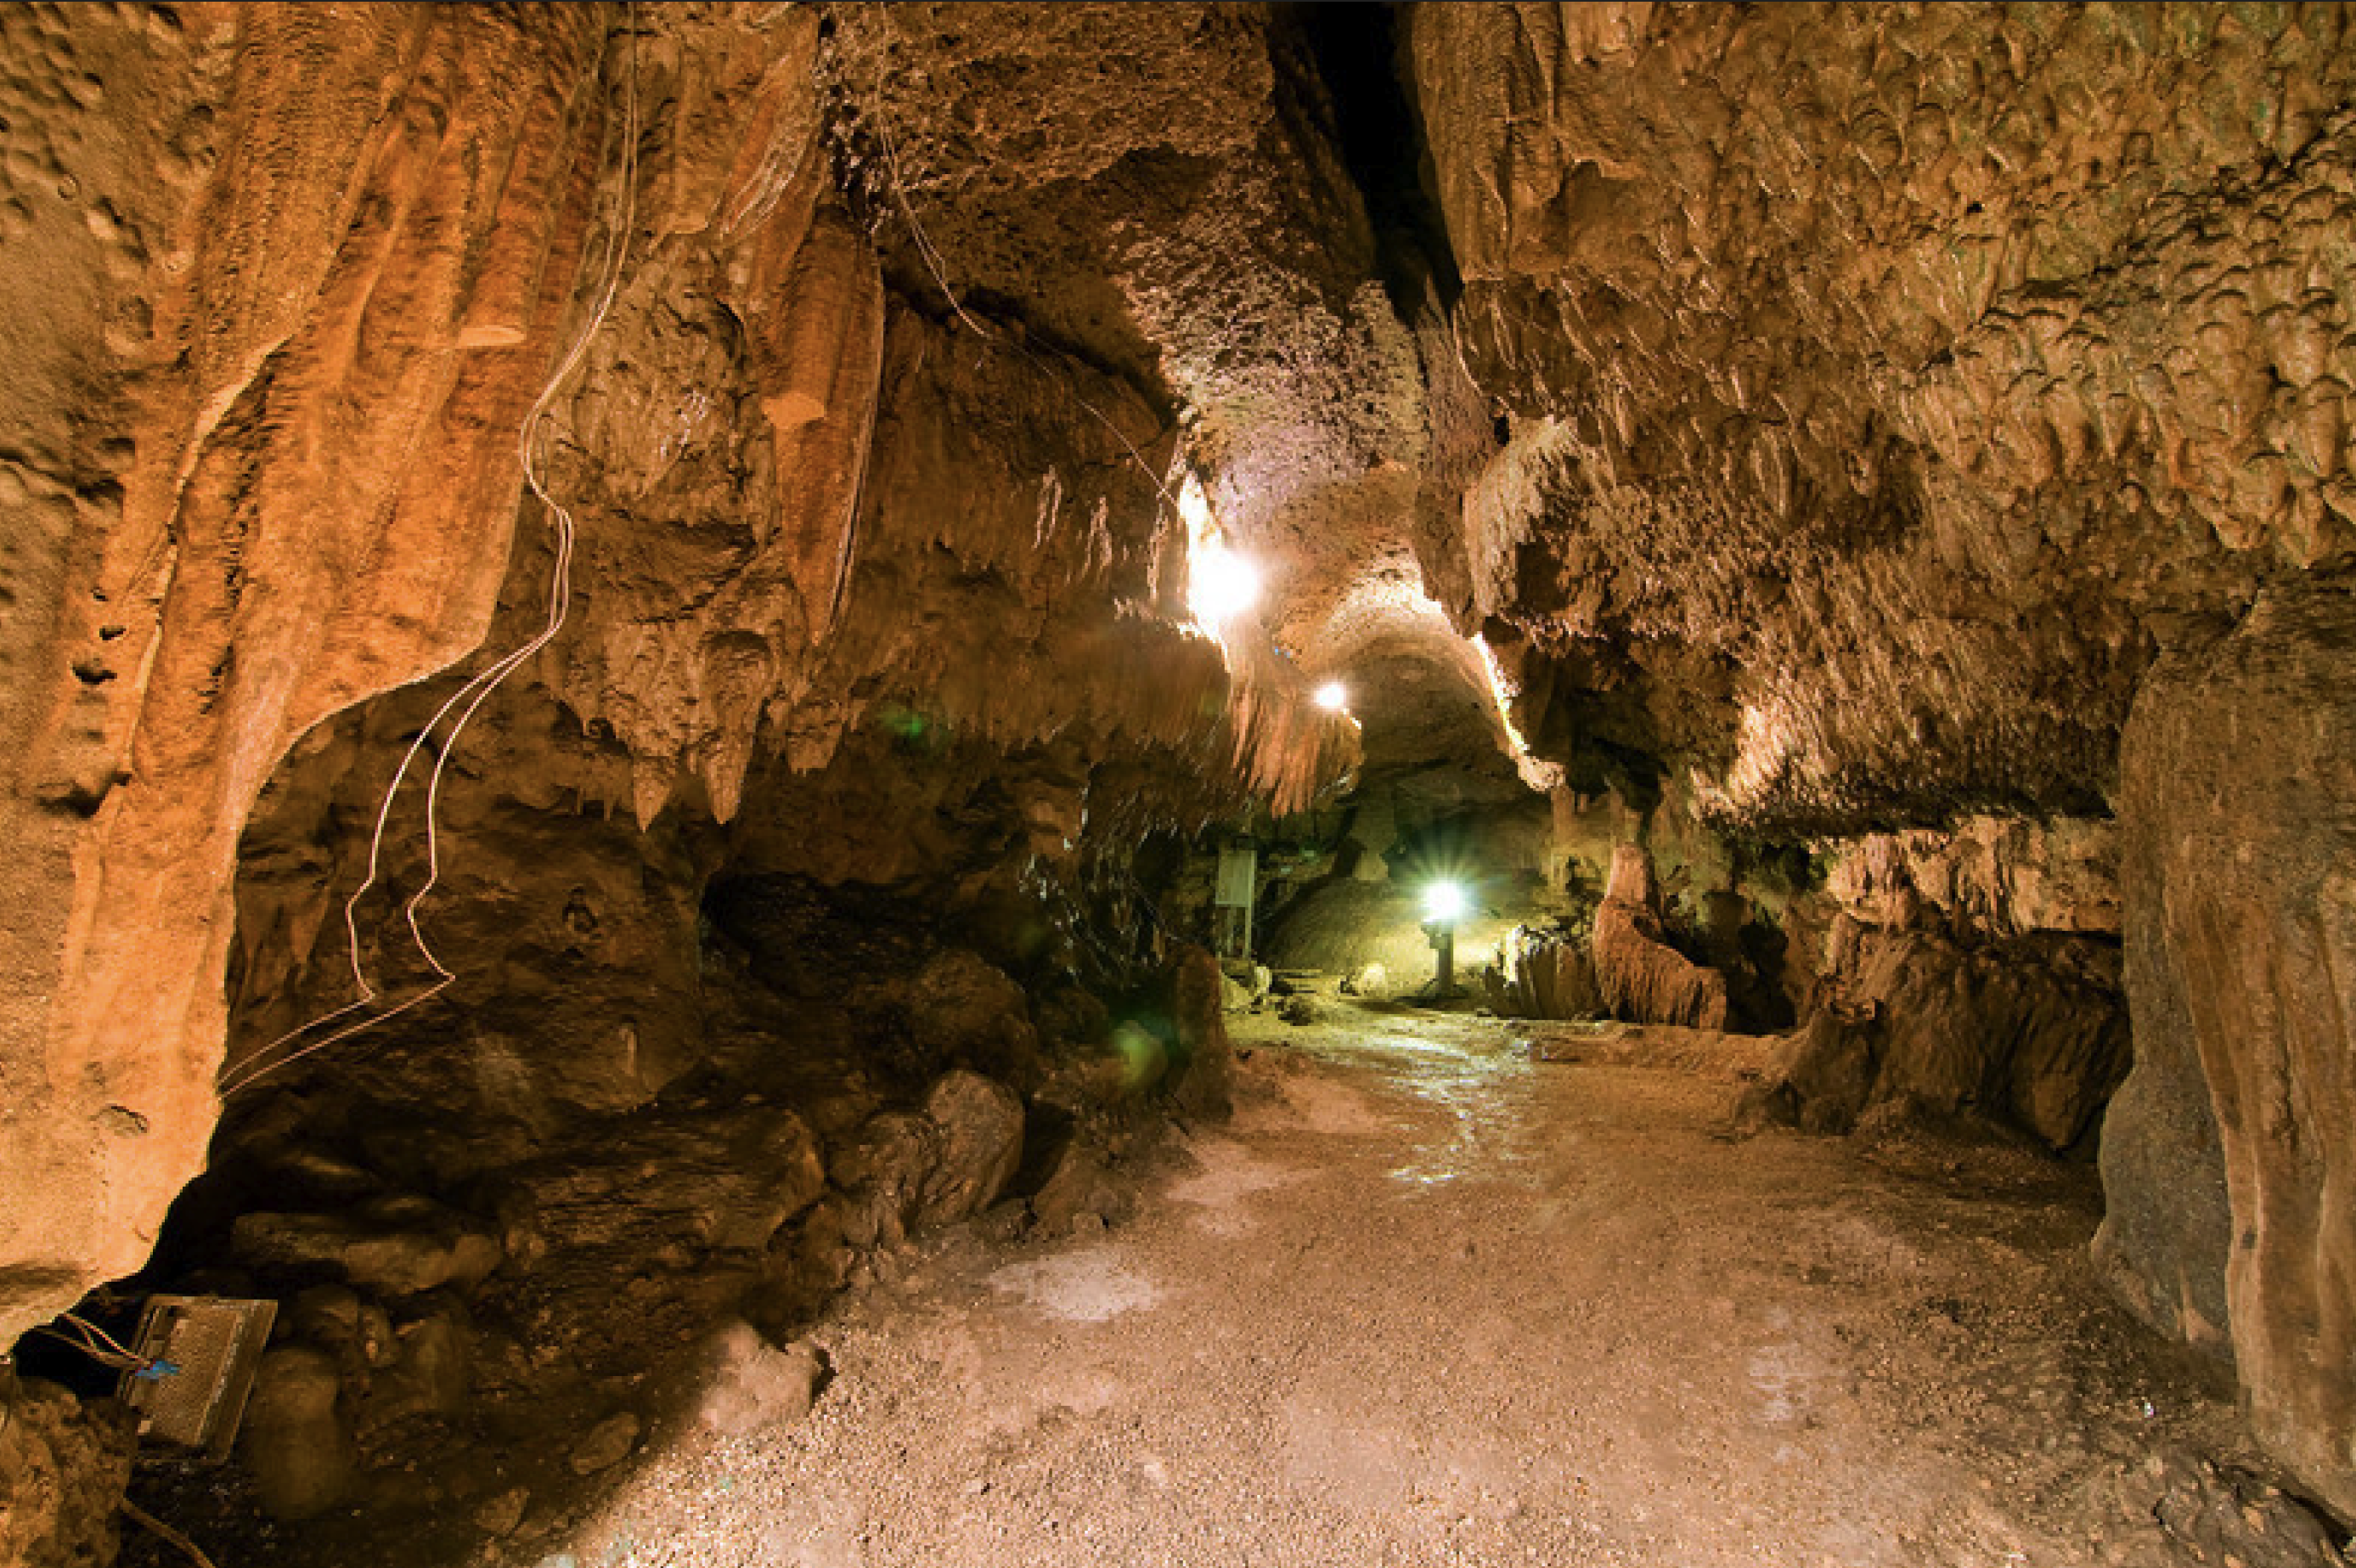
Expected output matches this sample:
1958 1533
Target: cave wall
284 283
1875 418
2242 831
809 506
865 600
1884 392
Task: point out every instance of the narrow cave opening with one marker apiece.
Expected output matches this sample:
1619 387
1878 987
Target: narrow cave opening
1360 50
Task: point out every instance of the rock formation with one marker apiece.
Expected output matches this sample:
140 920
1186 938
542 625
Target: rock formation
266 468
2241 828
1638 976
1874 480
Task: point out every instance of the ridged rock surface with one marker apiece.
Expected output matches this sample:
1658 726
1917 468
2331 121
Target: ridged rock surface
290 282
2239 782
1888 383
1638 976
806 510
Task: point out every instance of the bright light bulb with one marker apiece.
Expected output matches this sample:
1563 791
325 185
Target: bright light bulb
1332 696
1221 584
1444 902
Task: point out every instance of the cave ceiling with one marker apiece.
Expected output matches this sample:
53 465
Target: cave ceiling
1826 418
1840 406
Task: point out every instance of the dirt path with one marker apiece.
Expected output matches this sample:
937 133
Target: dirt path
1426 1302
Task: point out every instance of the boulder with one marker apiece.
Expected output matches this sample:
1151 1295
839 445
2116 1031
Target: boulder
430 1376
710 1181
2239 814
981 1146
806 1264
961 1009
295 1441
1081 1184
499 1514
750 1384
607 1445
883 1170
389 1253
325 1314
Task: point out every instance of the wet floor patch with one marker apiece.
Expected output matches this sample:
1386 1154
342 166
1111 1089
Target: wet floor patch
1090 1286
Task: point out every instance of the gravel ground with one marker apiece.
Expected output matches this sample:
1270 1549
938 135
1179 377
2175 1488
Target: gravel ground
1425 1301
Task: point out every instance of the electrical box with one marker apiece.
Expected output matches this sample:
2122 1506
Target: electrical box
212 1345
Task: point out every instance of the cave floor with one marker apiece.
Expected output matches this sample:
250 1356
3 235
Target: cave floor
1428 1300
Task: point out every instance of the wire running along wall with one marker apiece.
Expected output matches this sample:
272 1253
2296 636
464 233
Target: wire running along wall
370 1007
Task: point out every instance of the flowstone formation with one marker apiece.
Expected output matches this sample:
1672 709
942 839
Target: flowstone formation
281 287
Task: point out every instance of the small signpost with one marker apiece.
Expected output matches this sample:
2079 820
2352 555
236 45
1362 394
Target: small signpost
1231 902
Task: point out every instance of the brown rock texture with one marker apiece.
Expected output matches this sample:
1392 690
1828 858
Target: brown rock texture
1638 977
1969 973
2026 1031
810 516
2241 808
1885 384
1552 974
331 254
63 1469
1204 1062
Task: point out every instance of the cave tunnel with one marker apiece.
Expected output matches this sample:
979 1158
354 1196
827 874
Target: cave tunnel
735 728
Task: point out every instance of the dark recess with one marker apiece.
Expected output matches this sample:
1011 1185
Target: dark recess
1356 47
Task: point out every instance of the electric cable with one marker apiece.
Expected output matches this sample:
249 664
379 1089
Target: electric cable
477 689
165 1532
80 1334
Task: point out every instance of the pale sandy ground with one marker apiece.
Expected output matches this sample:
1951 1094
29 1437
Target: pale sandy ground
1425 1302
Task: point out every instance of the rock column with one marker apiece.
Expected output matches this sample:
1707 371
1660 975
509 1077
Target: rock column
2239 777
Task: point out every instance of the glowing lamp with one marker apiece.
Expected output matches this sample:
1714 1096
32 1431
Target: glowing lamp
1221 585
1332 696
1443 903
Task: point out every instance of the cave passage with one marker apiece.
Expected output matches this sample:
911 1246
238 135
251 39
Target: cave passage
1428 1298
863 785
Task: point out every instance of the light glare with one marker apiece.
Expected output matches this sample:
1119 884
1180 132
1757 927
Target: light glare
1444 902
1332 696
1222 584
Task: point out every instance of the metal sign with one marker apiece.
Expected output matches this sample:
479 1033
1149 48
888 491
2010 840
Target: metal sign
1238 878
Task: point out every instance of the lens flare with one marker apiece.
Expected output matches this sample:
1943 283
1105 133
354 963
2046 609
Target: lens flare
1221 584
1444 902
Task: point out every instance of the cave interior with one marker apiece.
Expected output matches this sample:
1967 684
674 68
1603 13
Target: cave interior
651 641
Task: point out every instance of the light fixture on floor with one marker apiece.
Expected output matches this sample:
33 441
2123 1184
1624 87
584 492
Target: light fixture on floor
1444 904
